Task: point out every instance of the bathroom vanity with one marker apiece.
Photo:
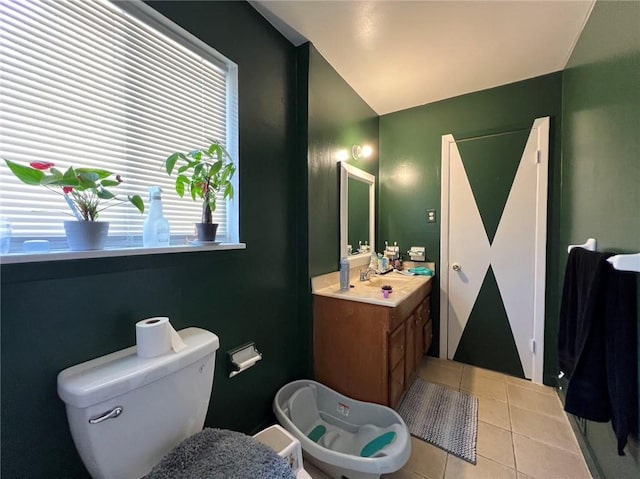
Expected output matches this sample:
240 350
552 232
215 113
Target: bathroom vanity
368 347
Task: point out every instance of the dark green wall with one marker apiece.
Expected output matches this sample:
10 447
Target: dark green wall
338 119
55 315
601 131
410 168
601 164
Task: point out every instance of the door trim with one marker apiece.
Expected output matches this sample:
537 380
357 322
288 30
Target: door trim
542 124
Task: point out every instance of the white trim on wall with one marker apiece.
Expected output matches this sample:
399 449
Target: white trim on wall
541 248
349 171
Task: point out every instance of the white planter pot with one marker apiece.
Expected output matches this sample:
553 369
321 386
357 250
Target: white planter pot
86 235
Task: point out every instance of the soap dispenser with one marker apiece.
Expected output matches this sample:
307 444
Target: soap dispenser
156 227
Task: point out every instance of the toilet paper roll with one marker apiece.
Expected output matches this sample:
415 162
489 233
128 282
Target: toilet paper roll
156 336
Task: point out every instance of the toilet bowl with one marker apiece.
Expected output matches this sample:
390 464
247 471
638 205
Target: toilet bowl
127 412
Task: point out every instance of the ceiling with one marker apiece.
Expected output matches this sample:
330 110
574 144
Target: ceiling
398 54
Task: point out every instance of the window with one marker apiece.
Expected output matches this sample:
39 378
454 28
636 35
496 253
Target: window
113 86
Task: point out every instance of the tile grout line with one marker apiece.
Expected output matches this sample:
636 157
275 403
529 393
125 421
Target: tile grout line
562 425
513 445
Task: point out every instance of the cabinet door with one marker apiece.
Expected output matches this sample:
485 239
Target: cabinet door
351 352
396 385
396 346
424 310
410 344
397 350
418 348
427 335
423 314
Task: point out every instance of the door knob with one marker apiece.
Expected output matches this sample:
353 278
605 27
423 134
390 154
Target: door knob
456 267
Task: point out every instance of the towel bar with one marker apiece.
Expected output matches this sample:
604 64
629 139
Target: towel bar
626 262
622 262
590 245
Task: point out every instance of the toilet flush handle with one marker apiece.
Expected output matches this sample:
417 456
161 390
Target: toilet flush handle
115 412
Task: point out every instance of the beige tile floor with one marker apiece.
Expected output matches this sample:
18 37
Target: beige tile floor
523 432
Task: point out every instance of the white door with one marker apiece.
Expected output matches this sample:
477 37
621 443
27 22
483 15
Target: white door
493 250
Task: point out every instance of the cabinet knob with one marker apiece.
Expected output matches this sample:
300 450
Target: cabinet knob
456 267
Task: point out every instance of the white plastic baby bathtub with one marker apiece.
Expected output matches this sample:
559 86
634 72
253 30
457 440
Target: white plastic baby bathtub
344 437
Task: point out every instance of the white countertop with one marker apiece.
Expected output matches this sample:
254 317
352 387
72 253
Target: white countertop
370 291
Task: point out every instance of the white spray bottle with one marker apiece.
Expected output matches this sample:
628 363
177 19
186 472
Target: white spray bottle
156 227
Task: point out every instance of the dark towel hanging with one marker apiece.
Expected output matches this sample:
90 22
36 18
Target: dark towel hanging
621 335
597 342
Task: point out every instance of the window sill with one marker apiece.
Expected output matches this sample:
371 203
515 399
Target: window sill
14 258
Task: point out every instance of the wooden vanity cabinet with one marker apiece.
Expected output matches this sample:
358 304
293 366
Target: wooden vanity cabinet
366 351
424 331
410 349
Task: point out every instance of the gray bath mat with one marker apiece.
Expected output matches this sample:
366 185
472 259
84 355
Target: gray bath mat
442 417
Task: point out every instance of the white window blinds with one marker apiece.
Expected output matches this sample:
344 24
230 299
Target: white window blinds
86 84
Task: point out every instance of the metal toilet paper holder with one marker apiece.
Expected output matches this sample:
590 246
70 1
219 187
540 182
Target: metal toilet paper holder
243 357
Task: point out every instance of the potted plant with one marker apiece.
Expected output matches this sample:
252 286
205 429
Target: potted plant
204 173
85 191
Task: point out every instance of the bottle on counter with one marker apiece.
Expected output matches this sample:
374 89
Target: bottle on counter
373 264
397 264
344 274
156 227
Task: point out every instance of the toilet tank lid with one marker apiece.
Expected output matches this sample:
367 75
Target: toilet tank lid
117 373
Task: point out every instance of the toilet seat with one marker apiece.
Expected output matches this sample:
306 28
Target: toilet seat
222 453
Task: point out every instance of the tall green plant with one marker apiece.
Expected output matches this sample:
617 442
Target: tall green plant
203 173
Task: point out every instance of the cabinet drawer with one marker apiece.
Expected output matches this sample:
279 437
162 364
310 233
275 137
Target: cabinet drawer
396 346
428 335
424 310
396 384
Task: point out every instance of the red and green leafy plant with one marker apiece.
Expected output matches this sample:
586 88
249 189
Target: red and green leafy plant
84 189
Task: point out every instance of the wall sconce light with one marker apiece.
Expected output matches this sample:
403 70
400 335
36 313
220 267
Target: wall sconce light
359 152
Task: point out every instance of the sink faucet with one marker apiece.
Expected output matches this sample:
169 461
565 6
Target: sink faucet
365 273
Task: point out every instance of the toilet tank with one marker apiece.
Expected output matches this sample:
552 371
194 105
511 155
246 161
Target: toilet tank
125 412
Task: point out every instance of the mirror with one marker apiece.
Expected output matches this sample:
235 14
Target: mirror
357 214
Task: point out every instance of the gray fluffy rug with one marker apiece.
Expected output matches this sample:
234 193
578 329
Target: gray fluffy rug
221 454
442 417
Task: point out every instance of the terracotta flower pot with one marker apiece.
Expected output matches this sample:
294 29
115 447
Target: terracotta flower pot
86 235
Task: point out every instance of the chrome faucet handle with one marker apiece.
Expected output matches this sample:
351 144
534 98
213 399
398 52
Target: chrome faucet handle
364 273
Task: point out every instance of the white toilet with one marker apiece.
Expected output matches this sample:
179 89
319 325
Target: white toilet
126 412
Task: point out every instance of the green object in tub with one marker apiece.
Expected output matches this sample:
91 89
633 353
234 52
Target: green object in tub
317 433
377 444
